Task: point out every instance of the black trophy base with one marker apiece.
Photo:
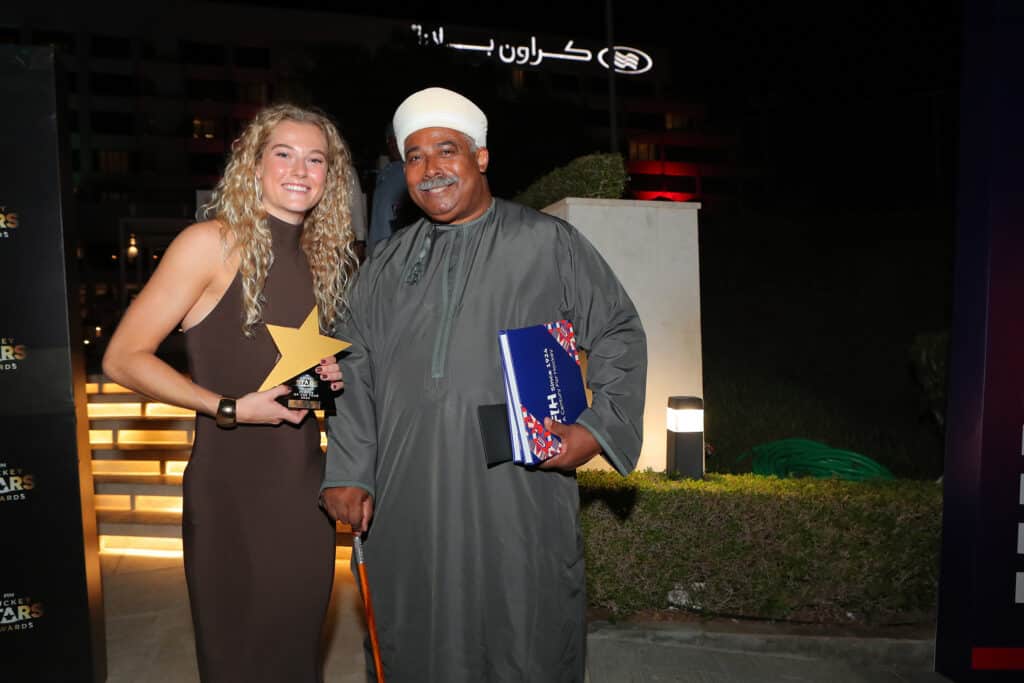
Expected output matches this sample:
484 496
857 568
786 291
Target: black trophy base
308 392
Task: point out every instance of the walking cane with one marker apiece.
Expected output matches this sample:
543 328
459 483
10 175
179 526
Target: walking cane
371 622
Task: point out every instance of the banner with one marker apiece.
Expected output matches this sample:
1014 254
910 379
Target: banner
981 591
51 607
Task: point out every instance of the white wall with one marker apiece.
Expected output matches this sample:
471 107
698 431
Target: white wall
653 249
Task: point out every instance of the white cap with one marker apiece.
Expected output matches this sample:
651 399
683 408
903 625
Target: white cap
439 108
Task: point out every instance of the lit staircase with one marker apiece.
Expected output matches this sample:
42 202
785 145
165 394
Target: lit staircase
139 452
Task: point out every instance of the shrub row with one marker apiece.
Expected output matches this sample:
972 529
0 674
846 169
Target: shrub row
593 175
762 547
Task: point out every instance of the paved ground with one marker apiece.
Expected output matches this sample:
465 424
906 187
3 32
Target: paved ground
149 640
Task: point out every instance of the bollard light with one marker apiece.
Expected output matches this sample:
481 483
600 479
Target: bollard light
685 426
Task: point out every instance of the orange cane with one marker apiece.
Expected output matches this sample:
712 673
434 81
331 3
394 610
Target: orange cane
371 622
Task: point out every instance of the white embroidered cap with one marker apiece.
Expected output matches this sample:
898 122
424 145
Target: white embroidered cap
439 108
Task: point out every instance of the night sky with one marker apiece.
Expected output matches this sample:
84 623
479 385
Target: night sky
832 101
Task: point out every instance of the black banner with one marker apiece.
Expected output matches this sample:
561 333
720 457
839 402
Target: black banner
51 607
981 593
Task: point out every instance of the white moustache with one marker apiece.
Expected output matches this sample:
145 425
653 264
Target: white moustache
436 182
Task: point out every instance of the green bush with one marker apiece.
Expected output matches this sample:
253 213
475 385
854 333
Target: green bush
593 175
762 547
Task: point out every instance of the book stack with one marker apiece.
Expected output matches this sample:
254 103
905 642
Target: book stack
542 379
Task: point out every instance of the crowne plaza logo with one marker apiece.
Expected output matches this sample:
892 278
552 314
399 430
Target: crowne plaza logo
11 353
18 612
15 483
8 222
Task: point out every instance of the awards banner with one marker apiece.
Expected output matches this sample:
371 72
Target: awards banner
981 586
51 607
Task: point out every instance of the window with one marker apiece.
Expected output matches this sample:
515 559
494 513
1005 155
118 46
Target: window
205 164
204 129
252 57
114 85
643 151
253 93
695 155
110 47
9 36
215 91
200 53
676 121
644 120
60 41
113 123
113 161
114 196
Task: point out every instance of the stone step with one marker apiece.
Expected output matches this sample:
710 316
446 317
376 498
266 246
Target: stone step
134 484
142 451
152 524
186 423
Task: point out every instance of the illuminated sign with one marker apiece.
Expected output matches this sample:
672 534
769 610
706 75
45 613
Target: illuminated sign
11 353
8 221
14 483
18 613
625 60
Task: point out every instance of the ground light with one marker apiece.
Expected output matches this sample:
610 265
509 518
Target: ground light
685 425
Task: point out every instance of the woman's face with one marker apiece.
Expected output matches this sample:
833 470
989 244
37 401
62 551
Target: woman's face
293 170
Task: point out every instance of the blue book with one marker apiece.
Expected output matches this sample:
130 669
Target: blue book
541 365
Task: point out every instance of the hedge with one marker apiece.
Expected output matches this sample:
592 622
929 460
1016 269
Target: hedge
593 175
761 547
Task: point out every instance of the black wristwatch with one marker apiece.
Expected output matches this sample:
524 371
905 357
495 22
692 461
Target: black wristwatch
226 416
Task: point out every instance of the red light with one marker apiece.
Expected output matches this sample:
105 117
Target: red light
650 195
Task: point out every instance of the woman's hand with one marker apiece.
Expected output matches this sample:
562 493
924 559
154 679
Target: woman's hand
330 371
262 408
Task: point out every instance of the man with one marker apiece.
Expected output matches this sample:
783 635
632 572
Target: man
389 196
476 571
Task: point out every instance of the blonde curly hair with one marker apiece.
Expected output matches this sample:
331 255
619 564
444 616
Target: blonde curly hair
327 235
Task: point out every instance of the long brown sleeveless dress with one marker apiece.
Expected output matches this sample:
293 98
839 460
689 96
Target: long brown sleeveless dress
259 553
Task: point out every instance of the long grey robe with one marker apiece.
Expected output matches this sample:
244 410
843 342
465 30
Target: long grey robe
476 573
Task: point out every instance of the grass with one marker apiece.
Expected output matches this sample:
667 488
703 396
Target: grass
812 550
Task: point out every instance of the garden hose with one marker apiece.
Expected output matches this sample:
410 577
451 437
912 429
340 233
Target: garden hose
806 458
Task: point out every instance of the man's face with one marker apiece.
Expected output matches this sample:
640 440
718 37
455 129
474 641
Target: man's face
444 177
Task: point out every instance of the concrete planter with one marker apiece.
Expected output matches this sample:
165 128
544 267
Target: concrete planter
653 249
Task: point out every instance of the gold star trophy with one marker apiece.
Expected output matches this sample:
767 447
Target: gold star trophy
301 349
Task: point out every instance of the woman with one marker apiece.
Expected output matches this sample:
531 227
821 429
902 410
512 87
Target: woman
259 553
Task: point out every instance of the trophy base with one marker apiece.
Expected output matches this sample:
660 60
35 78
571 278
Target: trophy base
300 404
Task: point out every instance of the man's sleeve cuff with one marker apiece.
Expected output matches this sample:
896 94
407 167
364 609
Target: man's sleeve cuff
357 484
609 453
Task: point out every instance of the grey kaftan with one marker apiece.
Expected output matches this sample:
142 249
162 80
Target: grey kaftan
476 573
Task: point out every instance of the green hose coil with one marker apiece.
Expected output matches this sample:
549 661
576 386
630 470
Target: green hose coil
806 458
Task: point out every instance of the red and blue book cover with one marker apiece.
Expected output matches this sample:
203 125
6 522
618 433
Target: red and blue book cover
542 379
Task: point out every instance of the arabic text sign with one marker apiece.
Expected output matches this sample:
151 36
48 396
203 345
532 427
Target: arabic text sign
625 60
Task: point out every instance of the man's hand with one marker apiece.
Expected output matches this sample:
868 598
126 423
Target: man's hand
350 505
578 446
